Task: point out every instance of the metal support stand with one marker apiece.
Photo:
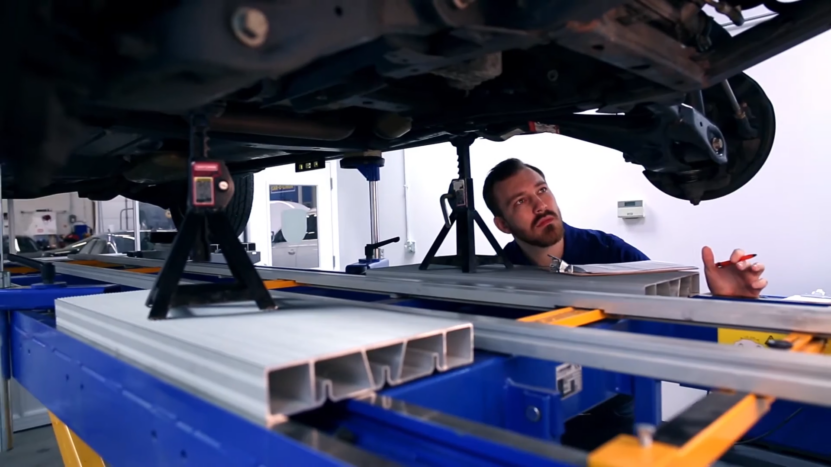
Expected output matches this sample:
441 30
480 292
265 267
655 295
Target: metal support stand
370 168
136 226
464 215
74 451
6 434
211 188
6 430
373 217
12 229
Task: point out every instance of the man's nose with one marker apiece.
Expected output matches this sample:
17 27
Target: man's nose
539 205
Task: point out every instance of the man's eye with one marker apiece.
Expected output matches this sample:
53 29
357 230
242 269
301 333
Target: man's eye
520 201
543 189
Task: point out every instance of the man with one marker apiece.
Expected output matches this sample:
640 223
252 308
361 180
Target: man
523 206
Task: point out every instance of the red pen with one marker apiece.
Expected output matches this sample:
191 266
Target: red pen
724 264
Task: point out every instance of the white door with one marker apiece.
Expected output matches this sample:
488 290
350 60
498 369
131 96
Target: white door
281 189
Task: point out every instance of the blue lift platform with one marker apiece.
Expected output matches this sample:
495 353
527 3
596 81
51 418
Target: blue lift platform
501 410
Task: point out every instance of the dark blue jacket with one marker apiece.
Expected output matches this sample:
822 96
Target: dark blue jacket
584 246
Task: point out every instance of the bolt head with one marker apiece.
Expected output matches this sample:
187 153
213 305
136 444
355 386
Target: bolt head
250 26
552 75
223 185
717 143
645 432
532 413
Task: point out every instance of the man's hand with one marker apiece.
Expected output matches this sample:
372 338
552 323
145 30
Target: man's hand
741 279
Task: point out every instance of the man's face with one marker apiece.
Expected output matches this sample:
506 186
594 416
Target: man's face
529 210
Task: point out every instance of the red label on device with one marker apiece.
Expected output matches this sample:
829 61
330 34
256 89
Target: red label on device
206 167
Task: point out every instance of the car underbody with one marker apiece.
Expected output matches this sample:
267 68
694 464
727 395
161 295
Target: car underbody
96 94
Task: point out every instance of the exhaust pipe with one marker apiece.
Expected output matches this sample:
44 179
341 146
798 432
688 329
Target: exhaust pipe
280 126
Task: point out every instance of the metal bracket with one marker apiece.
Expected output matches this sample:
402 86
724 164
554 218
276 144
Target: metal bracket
559 266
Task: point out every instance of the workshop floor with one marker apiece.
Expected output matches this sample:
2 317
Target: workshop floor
33 448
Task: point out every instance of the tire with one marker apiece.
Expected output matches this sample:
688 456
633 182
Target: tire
238 210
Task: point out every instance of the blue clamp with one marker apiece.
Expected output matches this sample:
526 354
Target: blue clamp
372 173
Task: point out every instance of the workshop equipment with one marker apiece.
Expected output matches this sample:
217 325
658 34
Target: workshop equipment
265 366
544 358
369 165
464 215
210 189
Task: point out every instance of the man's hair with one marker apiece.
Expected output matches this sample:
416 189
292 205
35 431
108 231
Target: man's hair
503 171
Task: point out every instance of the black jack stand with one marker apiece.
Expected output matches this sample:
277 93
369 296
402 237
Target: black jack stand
464 215
211 188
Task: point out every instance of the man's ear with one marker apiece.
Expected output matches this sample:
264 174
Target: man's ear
502 225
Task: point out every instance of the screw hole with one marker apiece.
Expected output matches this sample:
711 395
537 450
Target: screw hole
67 377
552 75
598 47
82 386
338 11
700 123
153 434
184 454
28 351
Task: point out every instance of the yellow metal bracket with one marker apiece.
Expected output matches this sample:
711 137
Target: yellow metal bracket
21 270
270 284
709 444
74 451
569 317
94 263
279 284
144 270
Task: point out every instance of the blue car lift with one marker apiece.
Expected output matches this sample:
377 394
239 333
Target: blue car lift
501 410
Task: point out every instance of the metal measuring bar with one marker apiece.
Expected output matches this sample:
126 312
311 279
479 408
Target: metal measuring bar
724 313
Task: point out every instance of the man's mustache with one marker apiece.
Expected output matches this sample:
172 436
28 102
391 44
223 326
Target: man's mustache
541 215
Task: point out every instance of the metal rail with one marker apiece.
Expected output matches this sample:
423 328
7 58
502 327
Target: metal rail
724 313
129 279
797 377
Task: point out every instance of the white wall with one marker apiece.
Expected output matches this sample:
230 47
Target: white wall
782 214
116 215
63 205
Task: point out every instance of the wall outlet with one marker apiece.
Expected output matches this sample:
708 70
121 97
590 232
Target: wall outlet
410 246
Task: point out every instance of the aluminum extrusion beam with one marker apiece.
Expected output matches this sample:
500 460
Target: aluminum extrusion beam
667 284
786 375
126 278
726 313
798 377
268 365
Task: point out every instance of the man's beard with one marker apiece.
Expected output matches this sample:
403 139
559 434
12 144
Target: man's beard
544 237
